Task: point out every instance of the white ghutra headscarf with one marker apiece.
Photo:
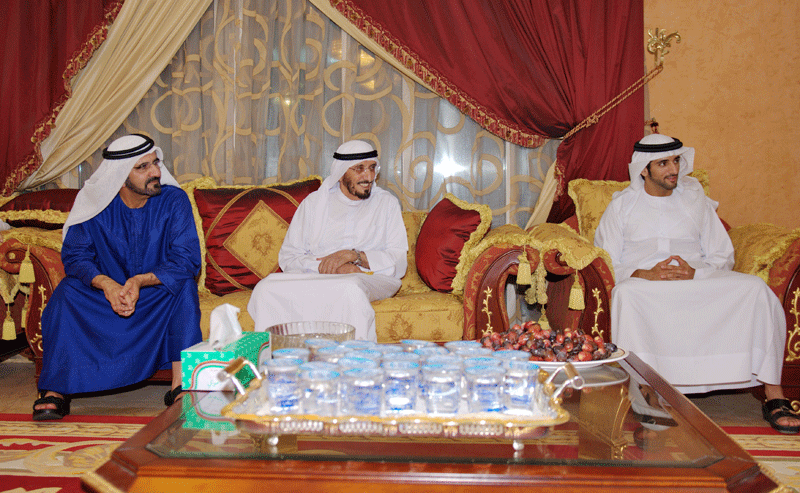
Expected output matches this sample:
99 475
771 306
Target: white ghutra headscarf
655 147
106 182
349 154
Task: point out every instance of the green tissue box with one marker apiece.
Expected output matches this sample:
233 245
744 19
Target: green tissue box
203 411
201 364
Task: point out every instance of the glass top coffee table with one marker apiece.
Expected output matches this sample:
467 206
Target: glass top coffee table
628 430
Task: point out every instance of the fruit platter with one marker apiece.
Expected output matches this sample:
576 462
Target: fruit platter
552 345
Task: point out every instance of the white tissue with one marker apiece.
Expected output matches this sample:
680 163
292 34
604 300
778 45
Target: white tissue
225 327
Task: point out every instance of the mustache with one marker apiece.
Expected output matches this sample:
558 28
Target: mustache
153 179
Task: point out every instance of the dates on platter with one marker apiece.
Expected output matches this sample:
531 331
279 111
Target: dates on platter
550 344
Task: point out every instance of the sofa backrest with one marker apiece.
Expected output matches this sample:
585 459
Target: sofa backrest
591 197
241 230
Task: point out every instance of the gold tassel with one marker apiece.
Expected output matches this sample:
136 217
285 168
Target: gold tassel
9 329
530 295
576 298
541 284
543 322
524 269
23 319
26 275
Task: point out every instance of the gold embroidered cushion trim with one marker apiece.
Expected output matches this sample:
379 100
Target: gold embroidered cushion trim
757 246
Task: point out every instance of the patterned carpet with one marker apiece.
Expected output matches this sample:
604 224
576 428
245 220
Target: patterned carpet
50 457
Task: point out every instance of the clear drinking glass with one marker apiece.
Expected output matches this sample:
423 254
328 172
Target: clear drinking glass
357 344
520 386
482 361
320 391
411 344
318 365
283 385
315 345
389 348
331 354
292 352
453 346
473 352
361 392
402 357
485 388
400 384
441 388
428 351
372 354
511 355
354 362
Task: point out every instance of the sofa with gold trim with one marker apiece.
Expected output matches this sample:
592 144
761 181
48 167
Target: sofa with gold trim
765 250
241 229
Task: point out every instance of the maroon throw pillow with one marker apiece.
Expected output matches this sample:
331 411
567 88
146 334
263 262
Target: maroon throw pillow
447 228
40 208
244 229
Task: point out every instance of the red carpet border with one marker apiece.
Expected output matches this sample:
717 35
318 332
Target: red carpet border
51 456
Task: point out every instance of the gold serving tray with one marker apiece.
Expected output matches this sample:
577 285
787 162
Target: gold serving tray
246 411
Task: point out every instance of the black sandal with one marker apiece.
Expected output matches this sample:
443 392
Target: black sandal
784 410
61 409
173 395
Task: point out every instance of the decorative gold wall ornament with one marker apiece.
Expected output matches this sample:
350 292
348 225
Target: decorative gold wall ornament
487 294
659 44
793 338
596 328
37 340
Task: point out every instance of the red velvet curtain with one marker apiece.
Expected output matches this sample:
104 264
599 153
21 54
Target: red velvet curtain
526 70
45 44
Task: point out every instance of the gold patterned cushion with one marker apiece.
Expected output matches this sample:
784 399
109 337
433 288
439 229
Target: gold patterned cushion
431 316
591 197
210 301
757 246
241 229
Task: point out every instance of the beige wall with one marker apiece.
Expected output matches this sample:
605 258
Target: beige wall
731 90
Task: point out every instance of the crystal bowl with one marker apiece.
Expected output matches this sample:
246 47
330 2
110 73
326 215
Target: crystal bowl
294 334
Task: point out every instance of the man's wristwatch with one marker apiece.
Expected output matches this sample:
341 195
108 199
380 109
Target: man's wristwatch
357 262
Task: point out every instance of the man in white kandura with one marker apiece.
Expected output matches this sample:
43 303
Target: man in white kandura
346 247
709 328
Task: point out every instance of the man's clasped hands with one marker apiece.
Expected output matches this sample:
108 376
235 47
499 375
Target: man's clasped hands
673 268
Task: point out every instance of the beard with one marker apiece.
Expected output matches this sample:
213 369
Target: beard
350 185
662 182
149 192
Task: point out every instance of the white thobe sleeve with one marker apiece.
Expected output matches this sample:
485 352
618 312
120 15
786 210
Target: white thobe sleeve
610 237
391 260
294 256
717 249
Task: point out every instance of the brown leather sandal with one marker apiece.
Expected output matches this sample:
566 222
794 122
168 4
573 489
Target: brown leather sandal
61 409
784 410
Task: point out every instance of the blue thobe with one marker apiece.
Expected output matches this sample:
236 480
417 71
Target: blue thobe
88 347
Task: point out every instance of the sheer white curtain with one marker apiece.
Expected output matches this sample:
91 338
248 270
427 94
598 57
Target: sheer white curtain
264 91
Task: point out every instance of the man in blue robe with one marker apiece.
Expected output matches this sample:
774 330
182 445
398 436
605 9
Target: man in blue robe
128 304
